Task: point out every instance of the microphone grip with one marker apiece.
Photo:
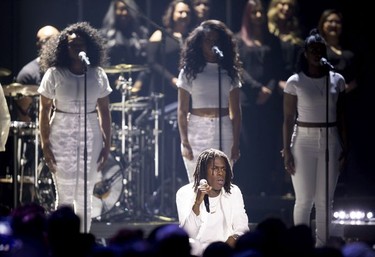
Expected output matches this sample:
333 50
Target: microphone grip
206 203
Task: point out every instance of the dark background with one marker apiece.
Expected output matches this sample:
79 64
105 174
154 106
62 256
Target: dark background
20 20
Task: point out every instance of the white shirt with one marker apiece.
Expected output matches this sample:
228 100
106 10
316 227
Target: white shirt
311 93
67 89
204 89
234 219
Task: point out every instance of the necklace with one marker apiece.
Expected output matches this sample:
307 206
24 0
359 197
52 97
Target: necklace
214 203
318 85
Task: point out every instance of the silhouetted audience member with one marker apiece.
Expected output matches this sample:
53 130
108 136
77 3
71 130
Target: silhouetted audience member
299 241
274 231
250 243
130 242
63 232
125 235
327 251
358 249
170 240
218 249
28 227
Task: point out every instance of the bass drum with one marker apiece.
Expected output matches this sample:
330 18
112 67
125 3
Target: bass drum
107 191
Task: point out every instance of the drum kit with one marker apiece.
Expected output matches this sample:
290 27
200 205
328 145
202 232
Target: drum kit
23 106
126 179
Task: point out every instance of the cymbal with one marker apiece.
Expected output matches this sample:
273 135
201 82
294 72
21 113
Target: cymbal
16 89
121 68
4 72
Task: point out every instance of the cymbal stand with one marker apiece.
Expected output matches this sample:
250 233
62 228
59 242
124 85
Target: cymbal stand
36 157
156 114
126 86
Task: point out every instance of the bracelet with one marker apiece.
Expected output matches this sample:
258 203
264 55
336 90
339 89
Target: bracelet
235 236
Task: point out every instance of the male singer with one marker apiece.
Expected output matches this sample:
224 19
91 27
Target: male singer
211 208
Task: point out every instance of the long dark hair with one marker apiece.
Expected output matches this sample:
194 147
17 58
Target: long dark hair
109 20
167 18
323 18
203 161
192 59
55 53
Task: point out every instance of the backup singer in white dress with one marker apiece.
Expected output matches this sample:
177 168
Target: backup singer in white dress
62 134
198 81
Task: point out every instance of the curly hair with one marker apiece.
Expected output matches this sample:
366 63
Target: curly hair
192 58
203 161
55 52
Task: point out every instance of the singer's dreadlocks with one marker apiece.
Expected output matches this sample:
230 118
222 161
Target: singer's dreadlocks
203 161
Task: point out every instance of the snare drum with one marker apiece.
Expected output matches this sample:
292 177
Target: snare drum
22 128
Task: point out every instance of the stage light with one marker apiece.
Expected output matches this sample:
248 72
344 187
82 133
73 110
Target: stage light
353 215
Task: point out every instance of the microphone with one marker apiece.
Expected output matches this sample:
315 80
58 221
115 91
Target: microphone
324 62
217 52
206 201
82 55
102 188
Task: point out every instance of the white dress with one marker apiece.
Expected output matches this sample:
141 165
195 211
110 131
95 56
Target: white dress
67 133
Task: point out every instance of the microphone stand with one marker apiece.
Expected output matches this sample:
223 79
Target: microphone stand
220 126
85 148
327 157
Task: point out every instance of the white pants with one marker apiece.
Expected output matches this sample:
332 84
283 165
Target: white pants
309 181
203 133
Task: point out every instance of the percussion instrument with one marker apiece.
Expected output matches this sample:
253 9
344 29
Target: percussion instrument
22 128
17 89
45 190
4 72
107 191
122 68
134 104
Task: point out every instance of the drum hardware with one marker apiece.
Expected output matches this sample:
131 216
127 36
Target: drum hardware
102 188
122 68
25 135
110 192
156 132
45 190
4 72
17 89
133 150
20 179
134 104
